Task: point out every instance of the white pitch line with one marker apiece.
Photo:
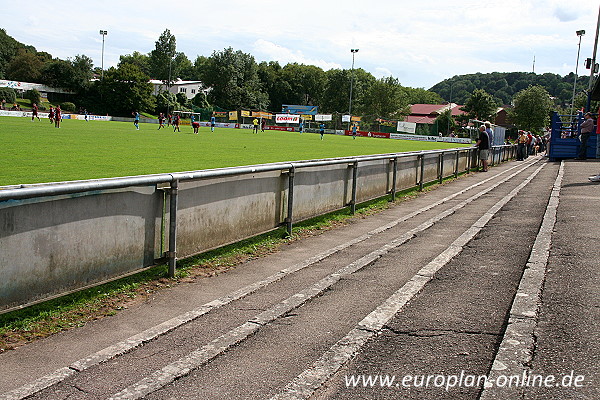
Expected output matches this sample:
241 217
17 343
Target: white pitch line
184 365
305 384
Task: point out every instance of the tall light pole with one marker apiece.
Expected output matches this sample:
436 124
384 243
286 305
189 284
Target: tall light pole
103 33
579 34
353 51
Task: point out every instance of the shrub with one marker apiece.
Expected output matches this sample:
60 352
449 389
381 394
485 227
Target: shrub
34 96
68 106
8 94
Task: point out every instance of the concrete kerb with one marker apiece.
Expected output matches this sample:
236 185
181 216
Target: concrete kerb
516 349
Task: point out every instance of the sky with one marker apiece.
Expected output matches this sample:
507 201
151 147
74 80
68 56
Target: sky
419 42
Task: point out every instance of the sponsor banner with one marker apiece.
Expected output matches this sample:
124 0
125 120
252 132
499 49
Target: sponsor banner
260 114
369 134
430 138
246 126
345 118
93 117
219 114
281 128
287 119
454 140
233 115
307 117
355 119
245 113
295 109
385 122
413 137
323 117
407 127
340 132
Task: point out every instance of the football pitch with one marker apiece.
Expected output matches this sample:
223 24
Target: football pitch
35 152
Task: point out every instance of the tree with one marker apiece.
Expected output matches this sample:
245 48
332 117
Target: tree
126 89
422 96
58 74
33 95
82 73
386 99
233 79
481 106
142 61
25 67
161 58
445 122
165 102
532 109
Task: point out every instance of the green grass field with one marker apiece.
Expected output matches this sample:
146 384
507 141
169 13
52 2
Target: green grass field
35 152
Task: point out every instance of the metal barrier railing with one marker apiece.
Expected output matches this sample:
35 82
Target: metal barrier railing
8 193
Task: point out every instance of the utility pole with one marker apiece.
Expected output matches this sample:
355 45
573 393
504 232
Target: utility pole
593 67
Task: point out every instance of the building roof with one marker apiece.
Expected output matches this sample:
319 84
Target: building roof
175 83
427 113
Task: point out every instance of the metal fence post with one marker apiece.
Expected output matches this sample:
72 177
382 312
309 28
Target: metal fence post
354 184
394 176
173 228
441 161
456 164
290 210
422 172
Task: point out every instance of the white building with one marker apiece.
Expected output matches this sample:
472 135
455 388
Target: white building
21 87
189 88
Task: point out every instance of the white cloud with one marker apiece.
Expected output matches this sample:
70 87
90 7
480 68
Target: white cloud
266 50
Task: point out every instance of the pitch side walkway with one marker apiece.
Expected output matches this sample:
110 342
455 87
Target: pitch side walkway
457 322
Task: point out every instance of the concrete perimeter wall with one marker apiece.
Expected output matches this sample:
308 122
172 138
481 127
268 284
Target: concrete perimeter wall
52 243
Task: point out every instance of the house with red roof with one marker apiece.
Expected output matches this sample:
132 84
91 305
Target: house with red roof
427 113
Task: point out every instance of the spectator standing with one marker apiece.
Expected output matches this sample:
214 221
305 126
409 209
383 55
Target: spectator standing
483 143
521 145
587 127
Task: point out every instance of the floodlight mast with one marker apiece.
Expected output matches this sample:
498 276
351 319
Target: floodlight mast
103 33
353 51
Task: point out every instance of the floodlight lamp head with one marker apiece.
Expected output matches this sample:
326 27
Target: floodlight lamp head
580 33
103 32
354 50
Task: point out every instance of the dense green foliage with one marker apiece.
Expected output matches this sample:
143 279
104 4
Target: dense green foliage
33 96
8 94
38 152
532 109
503 86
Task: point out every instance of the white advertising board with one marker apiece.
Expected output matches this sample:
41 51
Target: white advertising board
287 119
323 117
407 127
